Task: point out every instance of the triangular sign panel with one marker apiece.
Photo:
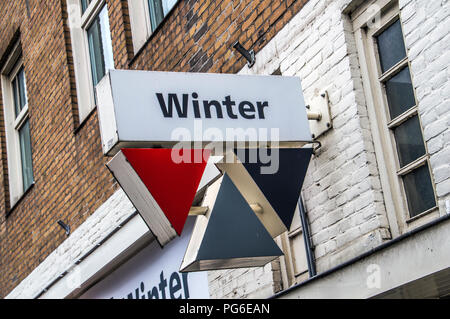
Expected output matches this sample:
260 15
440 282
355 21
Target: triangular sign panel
161 186
282 188
173 185
273 178
234 237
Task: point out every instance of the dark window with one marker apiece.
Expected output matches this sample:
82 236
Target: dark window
419 191
409 140
407 132
391 46
400 93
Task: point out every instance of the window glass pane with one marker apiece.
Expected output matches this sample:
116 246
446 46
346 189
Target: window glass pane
96 52
391 46
409 140
400 93
100 47
158 10
22 88
25 154
84 5
419 191
19 91
15 88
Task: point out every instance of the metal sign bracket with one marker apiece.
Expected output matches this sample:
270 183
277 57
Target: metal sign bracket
319 114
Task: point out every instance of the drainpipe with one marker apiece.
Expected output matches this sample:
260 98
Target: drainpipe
307 238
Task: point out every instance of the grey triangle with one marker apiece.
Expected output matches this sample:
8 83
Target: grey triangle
233 230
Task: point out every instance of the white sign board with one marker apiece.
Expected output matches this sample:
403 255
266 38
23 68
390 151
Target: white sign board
149 109
153 273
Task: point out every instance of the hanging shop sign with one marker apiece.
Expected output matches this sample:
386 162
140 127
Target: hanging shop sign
163 130
161 109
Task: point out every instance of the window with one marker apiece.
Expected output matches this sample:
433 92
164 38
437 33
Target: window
158 9
394 112
145 17
294 265
404 122
100 47
85 5
91 47
17 124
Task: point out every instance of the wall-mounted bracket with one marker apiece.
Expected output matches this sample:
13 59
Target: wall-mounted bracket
249 55
202 210
64 226
319 114
198 210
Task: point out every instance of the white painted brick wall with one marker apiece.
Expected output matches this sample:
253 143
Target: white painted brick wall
251 283
342 190
426 26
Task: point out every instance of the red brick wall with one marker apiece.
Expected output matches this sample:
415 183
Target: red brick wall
71 181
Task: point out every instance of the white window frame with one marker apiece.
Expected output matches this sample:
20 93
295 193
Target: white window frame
294 264
79 23
13 125
140 23
141 28
365 28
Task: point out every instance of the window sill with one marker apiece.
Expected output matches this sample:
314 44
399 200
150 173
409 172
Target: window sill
427 212
24 194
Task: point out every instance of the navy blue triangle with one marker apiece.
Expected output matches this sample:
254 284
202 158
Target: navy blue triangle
233 229
282 189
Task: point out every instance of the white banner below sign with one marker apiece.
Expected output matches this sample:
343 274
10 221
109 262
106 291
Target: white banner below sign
151 109
153 273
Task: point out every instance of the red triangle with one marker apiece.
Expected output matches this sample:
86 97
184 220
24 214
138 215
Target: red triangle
172 185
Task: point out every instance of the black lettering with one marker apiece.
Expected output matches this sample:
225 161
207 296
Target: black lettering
142 290
185 285
196 107
261 106
229 104
162 285
174 285
137 293
153 294
207 106
173 99
247 110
